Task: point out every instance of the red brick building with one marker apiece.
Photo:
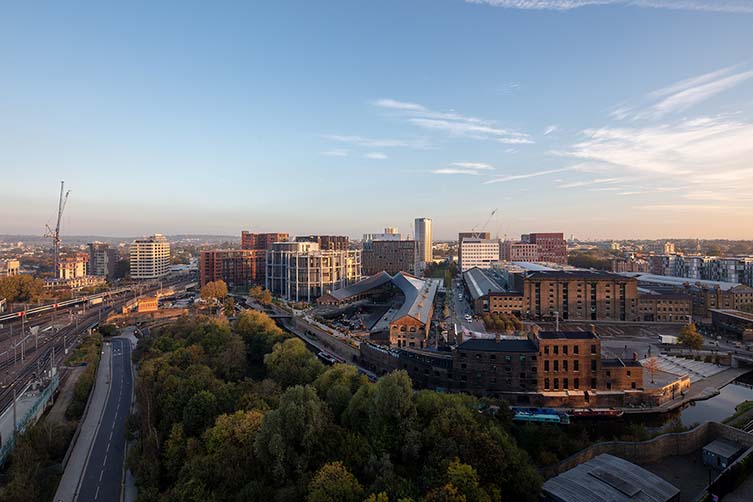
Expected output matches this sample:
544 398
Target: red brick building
239 268
551 247
264 242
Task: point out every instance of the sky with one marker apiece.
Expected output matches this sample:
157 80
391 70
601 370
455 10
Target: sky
597 118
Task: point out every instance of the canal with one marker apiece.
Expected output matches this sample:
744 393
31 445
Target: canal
719 407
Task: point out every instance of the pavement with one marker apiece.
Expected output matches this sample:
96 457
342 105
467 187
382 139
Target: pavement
95 468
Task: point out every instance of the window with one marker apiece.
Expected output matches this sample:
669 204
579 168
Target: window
564 383
576 383
546 383
564 349
628 373
593 348
546 365
508 358
556 349
576 365
593 383
556 365
546 349
575 349
593 364
556 383
564 365
632 385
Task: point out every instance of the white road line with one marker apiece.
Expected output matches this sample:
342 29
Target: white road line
100 475
110 436
96 494
105 460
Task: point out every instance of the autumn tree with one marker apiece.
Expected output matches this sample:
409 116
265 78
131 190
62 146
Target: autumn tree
260 334
228 307
334 483
214 291
690 337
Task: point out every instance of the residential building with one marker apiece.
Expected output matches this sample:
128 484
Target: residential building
301 271
669 247
481 253
74 266
264 241
239 268
390 234
391 256
519 251
150 257
102 259
327 242
9 267
630 264
551 247
423 235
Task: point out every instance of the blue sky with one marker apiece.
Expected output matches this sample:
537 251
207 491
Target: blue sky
598 118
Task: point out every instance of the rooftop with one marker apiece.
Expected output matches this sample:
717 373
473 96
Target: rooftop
737 314
503 345
723 448
480 283
566 335
588 275
607 477
681 281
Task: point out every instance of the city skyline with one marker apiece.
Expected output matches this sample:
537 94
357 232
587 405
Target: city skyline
608 119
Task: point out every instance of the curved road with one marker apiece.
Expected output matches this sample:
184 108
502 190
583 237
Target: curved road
103 473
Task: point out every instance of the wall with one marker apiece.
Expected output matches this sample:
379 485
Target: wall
654 450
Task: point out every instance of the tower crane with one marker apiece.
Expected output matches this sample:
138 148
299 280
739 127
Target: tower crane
477 234
55 234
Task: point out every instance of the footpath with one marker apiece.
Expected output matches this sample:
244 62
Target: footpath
83 441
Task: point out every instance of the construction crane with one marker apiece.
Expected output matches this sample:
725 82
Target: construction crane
476 235
55 234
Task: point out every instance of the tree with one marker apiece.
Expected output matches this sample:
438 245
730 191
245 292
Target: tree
228 308
337 385
292 437
266 297
21 288
256 292
214 291
652 366
291 363
465 478
690 337
334 483
260 334
199 412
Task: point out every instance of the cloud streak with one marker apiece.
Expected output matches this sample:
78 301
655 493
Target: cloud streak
535 174
452 123
731 6
378 142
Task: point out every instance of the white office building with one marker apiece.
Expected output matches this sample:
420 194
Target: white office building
481 253
150 257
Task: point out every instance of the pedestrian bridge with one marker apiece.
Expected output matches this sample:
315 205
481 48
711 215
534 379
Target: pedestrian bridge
741 360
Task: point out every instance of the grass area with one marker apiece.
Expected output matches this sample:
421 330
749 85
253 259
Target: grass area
87 352
741 415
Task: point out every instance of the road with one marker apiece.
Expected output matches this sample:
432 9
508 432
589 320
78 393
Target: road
103 474
459 307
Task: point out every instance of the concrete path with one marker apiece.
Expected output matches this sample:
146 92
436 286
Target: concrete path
95 469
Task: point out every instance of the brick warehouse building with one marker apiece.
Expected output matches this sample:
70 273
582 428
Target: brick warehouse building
551 247
544 368
239 268
391 256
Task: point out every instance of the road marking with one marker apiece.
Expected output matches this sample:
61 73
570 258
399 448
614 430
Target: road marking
97 493
105 460
100 475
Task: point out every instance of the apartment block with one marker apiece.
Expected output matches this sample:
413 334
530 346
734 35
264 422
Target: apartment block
150 257
301 271
9 268
327 242
73 266
391 256
264 241
519 251
551 247
475 252
102 259
239 268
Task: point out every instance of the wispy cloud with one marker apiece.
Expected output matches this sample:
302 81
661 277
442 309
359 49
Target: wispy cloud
550 129
375 156
685 94
597 181
513 177
740 6
337 152
469 172
453 123
365 142
474 165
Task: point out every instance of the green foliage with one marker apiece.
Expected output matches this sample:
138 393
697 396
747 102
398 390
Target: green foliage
334 483
261 295
88 352
305 432
21 288
291 363
108 330
228 307
594 258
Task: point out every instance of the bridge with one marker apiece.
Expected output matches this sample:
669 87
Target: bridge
741 360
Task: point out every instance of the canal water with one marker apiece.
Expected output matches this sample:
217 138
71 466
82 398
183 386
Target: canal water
719 407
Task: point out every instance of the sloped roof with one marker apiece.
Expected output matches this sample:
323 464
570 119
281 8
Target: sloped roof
361 287
480 283
419 296
611 478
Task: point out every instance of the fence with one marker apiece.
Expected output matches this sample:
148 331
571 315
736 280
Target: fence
30 417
